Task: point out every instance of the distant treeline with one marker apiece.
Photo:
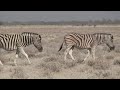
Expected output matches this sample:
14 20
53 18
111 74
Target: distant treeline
82 23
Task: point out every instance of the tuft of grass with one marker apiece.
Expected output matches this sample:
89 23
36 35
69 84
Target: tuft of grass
50 59
102 74
109 57
51 66
69 64
47 74
18 73
101 65
4 59
91 63
1 68
116 62
105 48
31 55
106 74
80 61
117 49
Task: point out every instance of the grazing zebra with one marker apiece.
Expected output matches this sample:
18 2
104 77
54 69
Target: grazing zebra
16 42
86 41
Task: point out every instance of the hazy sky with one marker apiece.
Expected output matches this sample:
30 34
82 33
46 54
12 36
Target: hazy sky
58 15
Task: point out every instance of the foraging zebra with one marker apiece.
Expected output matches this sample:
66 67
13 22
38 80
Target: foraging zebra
86 41
16 42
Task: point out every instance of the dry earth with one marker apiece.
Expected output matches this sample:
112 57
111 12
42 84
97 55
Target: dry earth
50 64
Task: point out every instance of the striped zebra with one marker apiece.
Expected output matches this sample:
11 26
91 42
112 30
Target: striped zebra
10 42
86 41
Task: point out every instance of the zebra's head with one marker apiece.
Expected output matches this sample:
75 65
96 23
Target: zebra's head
109 41
37 42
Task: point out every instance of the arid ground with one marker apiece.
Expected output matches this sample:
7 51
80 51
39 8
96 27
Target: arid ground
50 63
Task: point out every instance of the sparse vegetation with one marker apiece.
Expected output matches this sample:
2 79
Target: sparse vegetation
50 63
101 65
109 57
91 63
117 49
116 62
18 73
51 66
1 68
69 64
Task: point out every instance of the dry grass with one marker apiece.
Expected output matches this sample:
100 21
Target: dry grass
101 65
91 63
116 62
18 73
1 69
109 57
50 63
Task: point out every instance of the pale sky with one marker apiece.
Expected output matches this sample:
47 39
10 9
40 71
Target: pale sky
58 15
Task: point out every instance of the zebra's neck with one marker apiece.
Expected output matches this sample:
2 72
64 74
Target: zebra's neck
27 39
100 37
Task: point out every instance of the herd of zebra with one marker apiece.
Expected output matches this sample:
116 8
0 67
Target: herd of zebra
17 42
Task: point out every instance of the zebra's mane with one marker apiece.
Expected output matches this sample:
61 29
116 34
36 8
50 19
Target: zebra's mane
78 33
102 33
29 33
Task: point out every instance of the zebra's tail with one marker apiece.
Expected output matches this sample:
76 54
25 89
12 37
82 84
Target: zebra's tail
61 46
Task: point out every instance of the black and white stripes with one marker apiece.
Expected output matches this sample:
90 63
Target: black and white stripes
86 41
16 42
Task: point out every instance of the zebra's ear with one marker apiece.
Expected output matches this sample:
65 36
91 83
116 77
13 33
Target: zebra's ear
112 37
39 36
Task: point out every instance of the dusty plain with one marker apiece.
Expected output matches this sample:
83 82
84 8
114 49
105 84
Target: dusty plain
50 64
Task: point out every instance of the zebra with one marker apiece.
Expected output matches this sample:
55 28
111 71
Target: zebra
86 41
17 41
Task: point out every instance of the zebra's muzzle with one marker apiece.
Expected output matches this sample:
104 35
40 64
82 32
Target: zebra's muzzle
41 49
112 48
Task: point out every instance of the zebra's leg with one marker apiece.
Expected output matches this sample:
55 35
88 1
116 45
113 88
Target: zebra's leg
70 53
66 52
15 61
89 52
23 52
1 63
93 53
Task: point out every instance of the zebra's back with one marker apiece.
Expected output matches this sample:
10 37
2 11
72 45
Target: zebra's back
12 41
79 40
